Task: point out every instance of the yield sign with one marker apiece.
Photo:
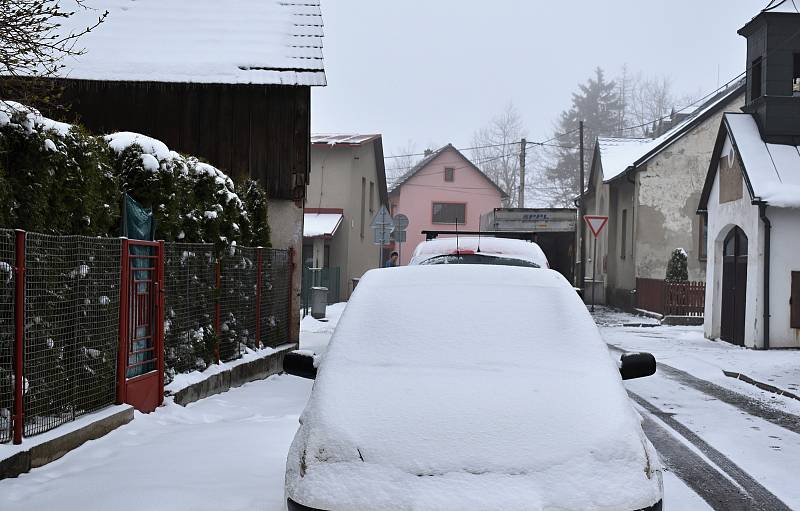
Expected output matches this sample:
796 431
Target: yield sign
596 223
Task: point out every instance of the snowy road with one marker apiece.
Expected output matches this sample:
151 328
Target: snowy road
228 452
736 446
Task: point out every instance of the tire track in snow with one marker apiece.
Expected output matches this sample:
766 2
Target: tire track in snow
734 490
744 403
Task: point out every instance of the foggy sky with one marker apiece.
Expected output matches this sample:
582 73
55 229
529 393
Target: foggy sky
435 71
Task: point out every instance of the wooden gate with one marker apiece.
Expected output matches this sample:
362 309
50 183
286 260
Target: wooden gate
140 365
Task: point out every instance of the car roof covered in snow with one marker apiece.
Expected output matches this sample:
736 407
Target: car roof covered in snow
484 245
469 387
275 42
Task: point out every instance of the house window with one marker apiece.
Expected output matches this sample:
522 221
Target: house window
757 77
623 234
371 197
449 174
794 300
363 204
796 75
449 213
702 244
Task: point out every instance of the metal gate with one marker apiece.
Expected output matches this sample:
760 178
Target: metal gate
141 356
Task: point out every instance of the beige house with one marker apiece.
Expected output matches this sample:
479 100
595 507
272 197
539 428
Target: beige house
650 188
346 189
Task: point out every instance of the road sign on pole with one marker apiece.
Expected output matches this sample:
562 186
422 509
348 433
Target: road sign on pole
382 218
596 224
400 222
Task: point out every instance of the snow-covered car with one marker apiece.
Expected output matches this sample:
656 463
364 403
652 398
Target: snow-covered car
479 250
469 387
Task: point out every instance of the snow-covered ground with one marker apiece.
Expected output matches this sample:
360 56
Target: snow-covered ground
229 451
686 348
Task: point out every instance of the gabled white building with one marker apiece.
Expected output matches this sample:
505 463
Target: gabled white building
751 196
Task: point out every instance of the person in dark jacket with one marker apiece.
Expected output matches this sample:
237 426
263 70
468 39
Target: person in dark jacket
392 261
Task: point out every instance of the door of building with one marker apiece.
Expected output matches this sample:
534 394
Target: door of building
141 361
734 286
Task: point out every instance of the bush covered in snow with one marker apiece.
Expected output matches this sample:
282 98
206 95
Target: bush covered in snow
677 270
56 178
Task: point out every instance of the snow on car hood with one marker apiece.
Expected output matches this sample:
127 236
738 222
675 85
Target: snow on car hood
469 387
486 246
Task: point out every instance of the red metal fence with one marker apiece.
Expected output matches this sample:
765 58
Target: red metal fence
671 298
61 299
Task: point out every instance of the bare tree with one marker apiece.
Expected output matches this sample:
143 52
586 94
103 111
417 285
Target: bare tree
403 160
496 151
647 104
34 43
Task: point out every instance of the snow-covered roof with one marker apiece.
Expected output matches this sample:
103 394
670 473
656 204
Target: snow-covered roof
469 387
342 139
199 41
620 154
486 246
321 224
773 170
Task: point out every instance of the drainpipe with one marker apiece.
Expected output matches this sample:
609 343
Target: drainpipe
762 213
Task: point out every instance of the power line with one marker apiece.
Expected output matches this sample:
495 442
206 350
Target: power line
489 146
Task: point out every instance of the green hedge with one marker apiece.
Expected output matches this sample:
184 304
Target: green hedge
59 179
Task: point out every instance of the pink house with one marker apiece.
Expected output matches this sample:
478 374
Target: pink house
442 189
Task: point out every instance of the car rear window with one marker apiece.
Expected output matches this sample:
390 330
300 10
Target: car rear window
478 259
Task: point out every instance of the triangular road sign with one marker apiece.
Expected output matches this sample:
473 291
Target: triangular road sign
596 223
382 218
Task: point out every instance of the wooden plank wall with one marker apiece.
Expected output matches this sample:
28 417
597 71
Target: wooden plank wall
245 130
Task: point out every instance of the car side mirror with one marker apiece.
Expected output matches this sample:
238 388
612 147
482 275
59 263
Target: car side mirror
302 363
637 365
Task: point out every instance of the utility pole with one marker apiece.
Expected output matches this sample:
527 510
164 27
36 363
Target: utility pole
522 145
581 277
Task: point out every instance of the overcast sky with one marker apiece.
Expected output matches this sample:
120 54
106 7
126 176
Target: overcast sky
434 71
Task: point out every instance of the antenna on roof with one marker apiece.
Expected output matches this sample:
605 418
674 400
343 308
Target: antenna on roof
479 241
458 250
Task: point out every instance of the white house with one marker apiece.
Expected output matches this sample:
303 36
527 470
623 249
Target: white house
751 196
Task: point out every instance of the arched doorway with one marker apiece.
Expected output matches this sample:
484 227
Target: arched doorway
734 286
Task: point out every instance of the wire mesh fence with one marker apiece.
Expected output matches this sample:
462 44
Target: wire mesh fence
237 298
72 323
189 287
71 328
275 297
7 325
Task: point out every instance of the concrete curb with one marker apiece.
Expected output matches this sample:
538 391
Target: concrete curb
763 386
40 454
683 320
649 314
236 376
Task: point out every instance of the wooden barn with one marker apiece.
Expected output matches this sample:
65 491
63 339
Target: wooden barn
229 82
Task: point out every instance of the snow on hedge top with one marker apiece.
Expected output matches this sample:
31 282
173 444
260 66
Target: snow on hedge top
199 41
488 246
124 139
772 169
469 387
29 119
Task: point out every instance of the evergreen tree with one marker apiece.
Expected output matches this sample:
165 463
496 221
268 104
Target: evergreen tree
597 104
677 270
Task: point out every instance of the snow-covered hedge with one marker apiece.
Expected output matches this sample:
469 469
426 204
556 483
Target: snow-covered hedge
56 178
